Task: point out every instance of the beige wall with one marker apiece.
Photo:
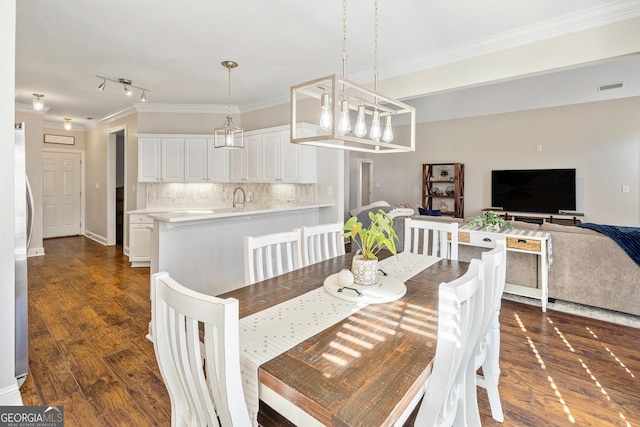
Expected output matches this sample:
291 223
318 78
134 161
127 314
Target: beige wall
96 154
600 139
33 132
189 123
78 135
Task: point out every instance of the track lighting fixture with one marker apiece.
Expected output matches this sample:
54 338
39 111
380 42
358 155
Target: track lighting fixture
67 123
38 104
127 86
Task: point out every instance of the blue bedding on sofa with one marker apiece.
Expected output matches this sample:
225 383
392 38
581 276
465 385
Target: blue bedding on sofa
627 237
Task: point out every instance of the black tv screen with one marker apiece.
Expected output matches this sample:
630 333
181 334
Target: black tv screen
534 190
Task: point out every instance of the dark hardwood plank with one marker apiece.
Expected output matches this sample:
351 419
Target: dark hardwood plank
82 290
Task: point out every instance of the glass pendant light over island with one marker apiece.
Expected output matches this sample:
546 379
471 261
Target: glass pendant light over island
340 97
229 135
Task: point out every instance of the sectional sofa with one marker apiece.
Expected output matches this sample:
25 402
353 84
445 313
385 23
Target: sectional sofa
588 267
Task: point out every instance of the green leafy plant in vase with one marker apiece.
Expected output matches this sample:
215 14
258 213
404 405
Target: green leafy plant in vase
491 221
371 240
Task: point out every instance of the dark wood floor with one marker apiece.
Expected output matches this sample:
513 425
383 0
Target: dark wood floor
89 313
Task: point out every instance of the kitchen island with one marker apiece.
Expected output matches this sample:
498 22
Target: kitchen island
204 248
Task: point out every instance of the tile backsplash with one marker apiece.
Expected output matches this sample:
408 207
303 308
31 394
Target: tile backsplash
221 194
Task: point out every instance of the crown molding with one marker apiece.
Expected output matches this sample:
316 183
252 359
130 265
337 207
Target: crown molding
60 125
184 108
113 116
28 108
563 25
259 105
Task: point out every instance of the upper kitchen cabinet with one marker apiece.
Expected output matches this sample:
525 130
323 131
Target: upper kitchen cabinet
160 159
246 163
286 162
205 163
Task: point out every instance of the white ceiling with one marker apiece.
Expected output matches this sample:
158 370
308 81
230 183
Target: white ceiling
174 48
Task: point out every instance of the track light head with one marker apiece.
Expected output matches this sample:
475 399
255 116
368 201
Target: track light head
102 85
143 98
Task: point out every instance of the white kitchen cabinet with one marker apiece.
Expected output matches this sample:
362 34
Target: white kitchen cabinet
149 153
285 162
204 162
140 230
246 163
160 159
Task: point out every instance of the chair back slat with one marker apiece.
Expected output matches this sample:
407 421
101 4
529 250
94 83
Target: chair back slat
431 238
271 255
189 328
321 242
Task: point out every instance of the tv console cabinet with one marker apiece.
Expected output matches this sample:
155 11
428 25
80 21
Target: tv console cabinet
565 218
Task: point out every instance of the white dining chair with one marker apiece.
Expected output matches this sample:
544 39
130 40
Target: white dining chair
434 238
271 255
488 355
189 328
460 305
321 242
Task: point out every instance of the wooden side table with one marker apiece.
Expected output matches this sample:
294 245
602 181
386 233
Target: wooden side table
517 240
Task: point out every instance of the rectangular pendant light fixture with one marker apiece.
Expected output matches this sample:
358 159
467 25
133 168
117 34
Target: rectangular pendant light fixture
372 105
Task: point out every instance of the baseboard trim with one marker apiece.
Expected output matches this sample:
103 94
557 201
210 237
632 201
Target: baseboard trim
35 252
96 237
10 395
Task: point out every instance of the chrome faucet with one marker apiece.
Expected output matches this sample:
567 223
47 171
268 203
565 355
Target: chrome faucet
244 197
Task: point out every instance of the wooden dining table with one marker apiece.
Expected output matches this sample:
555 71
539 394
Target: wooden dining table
362 371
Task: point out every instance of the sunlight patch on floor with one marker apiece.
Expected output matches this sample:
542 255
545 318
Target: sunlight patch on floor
552 383
612 353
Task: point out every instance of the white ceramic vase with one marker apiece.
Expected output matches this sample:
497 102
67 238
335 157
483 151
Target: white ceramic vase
365 271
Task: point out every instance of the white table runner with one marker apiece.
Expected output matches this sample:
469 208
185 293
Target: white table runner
271 332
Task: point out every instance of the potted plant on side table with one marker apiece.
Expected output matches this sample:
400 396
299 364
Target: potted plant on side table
491 221
379 235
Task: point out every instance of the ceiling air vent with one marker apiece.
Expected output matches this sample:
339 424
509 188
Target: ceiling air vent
610 86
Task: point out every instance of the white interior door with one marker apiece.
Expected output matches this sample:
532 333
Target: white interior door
61 194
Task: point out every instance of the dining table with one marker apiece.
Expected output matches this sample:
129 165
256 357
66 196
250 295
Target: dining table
365 369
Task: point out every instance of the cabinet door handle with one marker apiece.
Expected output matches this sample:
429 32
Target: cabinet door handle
486 239
522 241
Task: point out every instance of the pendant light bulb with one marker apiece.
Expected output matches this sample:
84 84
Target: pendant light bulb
344 126
325 113
387 135
67 123
143 98
361 127
375 132
38 105
127 90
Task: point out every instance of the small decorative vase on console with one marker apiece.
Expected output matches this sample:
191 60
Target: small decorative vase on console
365 271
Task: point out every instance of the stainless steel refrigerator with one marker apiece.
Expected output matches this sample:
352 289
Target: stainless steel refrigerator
24 227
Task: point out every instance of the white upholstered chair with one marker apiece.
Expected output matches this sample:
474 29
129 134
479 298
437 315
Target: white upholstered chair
271 255
438 239
460 305
488 354
321 242
201 393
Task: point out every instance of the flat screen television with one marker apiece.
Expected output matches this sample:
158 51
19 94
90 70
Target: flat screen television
534 190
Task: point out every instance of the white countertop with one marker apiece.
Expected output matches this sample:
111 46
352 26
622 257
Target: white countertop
175 215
